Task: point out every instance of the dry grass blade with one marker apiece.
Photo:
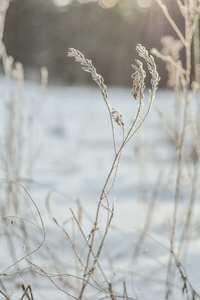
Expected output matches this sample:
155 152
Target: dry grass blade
151 66
27 292
88 67
138 80
181 85
41 220
138 92
171 21
6 297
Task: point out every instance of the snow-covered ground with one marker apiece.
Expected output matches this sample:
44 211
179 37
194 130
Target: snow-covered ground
72 152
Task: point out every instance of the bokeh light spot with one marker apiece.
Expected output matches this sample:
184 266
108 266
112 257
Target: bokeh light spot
62 3
108 3
144 3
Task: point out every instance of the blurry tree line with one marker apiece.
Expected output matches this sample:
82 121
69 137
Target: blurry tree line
37 33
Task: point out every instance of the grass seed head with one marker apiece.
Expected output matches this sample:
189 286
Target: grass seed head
138 80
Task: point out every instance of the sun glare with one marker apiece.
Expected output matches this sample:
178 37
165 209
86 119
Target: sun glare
144 3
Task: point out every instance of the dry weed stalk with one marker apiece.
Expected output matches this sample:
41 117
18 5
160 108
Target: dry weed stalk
190 11
187 287
42 227
91 262
138 76
14 141
27 292
17 134
5 296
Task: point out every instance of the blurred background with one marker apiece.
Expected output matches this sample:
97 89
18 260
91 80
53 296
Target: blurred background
39 32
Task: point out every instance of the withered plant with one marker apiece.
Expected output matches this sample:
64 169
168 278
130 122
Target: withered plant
94 244
185 133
